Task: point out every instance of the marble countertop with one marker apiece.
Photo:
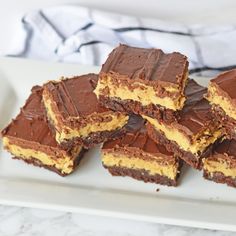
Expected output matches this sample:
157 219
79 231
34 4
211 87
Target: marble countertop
18 221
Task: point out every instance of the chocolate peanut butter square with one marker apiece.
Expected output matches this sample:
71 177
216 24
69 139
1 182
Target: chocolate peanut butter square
222 96
138 79
194 133
220 167
136 155
29 138
76 114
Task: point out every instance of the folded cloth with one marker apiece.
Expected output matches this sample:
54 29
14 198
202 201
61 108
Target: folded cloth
82 35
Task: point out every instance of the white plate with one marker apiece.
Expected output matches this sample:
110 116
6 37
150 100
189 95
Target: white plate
91 189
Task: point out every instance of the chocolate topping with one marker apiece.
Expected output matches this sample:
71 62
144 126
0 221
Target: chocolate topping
227 83
227 148
74 96
30 130
196 114
151 65
31 124
137 137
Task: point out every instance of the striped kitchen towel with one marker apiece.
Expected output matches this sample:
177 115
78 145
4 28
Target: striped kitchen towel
86 36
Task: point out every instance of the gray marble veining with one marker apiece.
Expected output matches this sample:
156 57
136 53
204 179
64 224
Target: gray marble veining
19 221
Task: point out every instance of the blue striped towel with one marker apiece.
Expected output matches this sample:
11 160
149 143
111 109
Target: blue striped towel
81 35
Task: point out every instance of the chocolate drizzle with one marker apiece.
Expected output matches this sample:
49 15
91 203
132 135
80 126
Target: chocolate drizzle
64 91
152 65
75 96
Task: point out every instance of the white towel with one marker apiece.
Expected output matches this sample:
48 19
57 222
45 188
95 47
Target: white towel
86 36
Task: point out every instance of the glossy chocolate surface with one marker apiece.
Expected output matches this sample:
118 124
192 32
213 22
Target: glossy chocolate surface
136 136
151 65
227 83
227 147
74 96
196 114
31 124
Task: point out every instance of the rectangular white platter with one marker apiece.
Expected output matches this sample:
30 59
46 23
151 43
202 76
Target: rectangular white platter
91 189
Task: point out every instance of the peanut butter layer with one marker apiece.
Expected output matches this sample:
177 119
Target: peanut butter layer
196 127
137 91
223 160
151 166
219 165
148 76
64 162
221 92
196 145
136 151
29 138
74 110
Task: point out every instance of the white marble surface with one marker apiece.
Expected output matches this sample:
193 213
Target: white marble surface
18 221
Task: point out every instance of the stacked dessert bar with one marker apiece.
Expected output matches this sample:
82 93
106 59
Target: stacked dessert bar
29 138
148 115
145 82
59 122
76 114
179 119
136 155
220 166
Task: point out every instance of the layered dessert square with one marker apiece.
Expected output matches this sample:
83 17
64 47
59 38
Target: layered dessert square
136 155
220 167
136 79
76 114
29 138
222 96
193 134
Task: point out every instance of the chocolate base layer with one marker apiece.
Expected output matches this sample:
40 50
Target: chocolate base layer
131 106
218 177
38 163
142 175
227 122
93 139
193 160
